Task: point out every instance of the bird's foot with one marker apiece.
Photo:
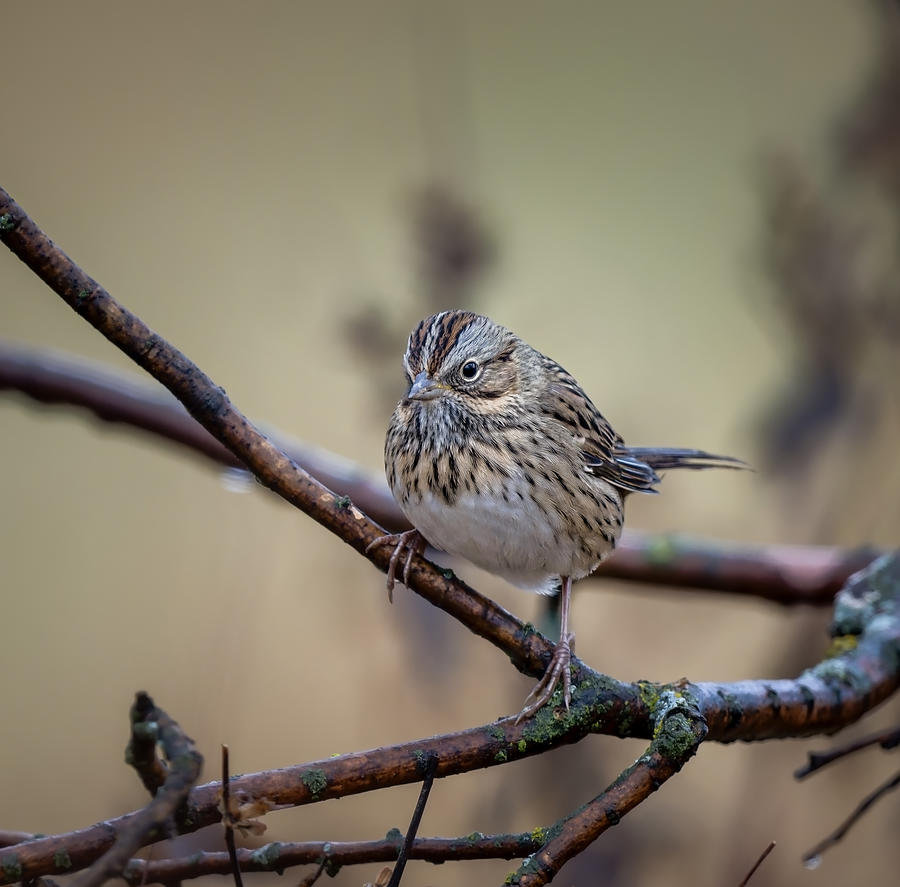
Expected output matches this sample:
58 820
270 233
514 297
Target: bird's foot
556 670
414 543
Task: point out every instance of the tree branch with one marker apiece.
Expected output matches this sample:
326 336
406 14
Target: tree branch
146 825
811 857
785 574
406 846
887 739
278 856
679 730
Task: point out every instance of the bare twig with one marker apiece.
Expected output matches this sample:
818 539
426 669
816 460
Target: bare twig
431 763
786 574
887 739
148 824
757 864
311 879
227 820
811 858
330 855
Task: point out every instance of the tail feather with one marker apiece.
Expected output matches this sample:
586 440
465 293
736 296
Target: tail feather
663 458
638 465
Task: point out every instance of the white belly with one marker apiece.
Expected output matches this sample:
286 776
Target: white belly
513 539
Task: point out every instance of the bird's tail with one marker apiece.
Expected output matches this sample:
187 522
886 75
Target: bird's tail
640 464
664 458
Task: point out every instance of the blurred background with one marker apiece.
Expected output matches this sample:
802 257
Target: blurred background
691 206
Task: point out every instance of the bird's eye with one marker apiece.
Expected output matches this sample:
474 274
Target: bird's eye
470 370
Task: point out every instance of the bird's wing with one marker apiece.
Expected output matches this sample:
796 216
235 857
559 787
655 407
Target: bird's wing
603 451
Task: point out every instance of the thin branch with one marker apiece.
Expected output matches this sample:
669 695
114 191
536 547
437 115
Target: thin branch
311 879
228 822
330 855
148 824
786 574
757 864
887 739
811 858
431 763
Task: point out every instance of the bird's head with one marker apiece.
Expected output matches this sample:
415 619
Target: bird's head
465 360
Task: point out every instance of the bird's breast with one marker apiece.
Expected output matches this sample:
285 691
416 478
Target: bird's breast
528 535
510 499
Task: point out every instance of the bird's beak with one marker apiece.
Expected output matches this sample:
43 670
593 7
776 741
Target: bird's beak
424 388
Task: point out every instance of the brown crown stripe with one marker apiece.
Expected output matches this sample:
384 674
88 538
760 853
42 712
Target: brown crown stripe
434 338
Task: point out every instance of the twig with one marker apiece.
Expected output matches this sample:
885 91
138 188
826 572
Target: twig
311 879
227 820
332 854
887 739
147 825
811 858
431 763
757 864
785 574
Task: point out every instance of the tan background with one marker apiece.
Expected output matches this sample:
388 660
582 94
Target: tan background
240 175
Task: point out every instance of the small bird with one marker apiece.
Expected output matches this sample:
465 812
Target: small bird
498 456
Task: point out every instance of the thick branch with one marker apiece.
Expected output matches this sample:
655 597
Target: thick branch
787 574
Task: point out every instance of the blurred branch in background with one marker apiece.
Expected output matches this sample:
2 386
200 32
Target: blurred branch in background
786 574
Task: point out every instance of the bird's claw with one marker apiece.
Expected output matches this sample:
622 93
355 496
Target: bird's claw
556 670
413 541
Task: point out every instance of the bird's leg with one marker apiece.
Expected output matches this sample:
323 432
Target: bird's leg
413 541
559 664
